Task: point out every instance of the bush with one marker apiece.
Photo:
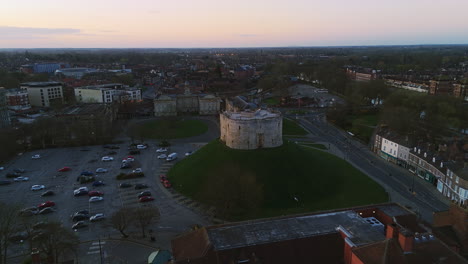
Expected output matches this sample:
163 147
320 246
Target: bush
125 176
164 144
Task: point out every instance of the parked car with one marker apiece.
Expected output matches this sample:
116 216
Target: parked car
19 170
29 211
137 170
145 199
95 199
112 153
162 156
142 146
125 185
37 156
188 153
125 165
97 217
79 224
5 182
140 186
64 169
95 193
107 158
37 187
98 183
101 170
46 204
171 157
46 210
167 184
128 159
80 217
162 178
47 193
2 168
82 212
114 147
145 193
87 173
80 191
21 178
161 150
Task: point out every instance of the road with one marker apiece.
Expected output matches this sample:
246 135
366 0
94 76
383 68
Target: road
397 181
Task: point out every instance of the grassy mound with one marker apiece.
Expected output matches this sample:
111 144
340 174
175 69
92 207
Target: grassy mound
244 184
168 129
291 128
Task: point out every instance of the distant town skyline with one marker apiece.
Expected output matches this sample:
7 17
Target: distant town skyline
242 23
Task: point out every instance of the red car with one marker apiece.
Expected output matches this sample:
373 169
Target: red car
167 184
46 204
64 169
95 193
162 178
145 199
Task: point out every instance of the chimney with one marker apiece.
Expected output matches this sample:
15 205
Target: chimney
35 256
406 241
391 231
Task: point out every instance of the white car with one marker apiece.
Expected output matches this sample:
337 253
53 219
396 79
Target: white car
141 146
37 187
101 170
188 153
137 170
162 156
161 150
95 199
128 160
97 217
21 178
81 189
2 168
107 158
37 156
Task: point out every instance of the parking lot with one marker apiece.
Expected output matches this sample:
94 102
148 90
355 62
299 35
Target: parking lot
175 217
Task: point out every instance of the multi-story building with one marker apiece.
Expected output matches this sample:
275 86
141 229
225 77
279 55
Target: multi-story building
4 115
455 186
107 93
386 233
389 150
460 91
41 94
17 100
440 88
426 166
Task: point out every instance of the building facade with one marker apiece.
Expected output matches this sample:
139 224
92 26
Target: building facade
18 100
389 150
251 130
41 94
4 115
176 104
107 93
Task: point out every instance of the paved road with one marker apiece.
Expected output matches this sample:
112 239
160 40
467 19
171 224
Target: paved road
397 181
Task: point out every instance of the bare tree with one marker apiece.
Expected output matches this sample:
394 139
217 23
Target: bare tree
8 217
55 241
122 219
144 216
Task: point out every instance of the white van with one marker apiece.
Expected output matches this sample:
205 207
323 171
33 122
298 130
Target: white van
171 156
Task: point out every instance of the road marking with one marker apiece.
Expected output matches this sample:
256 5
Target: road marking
94 247
97 243
93 252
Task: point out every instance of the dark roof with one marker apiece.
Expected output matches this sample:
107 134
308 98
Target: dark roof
459 169
41 84
289 228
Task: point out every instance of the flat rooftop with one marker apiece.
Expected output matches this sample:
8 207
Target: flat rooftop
270 230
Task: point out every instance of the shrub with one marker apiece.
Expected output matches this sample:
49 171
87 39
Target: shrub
125 176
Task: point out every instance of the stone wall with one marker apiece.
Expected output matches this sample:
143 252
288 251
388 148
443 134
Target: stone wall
165 106
251 133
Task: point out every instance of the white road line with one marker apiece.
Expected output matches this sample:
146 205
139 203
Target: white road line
93 252
97 243
94 247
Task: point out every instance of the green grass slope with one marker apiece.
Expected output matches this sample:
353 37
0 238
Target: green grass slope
245 184
291 128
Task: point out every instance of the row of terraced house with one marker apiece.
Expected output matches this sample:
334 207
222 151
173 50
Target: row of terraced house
443 165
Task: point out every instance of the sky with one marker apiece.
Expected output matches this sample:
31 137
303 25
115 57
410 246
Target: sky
234 23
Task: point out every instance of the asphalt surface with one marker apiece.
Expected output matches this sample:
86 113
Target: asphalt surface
176 217
397 181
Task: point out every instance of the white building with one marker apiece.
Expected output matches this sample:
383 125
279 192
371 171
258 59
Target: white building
43 93
390 148
106 93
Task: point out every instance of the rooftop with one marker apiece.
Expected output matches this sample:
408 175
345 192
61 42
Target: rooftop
246 115
41 84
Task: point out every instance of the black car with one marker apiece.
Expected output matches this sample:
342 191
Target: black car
47 193
81 193
6 182
140 186
13 174
125 185
145 193
46 210
111 153
79 224
19 170
80 217
82 212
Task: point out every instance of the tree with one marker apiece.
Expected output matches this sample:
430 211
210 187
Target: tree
122 219
8 218
55 241
144 216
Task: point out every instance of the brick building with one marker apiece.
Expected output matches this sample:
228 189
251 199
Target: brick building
385 233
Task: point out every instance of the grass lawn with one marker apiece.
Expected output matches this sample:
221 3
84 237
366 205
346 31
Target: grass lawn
363 125
169 128
315 145
291 128
272 101
270 179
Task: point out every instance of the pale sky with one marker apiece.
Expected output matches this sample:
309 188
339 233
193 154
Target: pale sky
234 23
